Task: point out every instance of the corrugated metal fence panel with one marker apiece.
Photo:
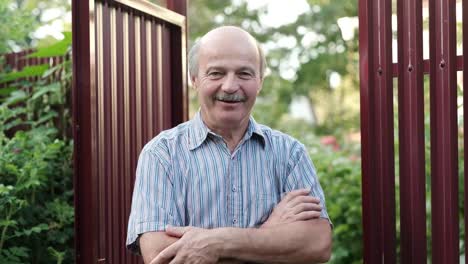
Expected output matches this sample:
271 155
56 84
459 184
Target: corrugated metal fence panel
410 69
411 132
377 131
128 86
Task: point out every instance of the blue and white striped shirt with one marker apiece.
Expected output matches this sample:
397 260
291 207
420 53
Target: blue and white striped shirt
186 176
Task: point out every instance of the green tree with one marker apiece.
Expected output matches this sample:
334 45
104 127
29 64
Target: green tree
319 51
15 26
20 18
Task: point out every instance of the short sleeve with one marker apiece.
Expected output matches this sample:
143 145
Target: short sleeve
153 201
301 174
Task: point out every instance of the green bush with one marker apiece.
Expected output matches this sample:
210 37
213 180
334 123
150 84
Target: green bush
36 198
339 172
36 192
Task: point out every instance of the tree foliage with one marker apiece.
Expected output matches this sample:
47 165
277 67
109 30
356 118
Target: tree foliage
319 51
20 24
20 18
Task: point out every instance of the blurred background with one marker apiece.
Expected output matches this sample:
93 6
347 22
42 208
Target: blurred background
311 92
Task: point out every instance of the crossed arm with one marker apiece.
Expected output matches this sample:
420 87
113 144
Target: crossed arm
292 234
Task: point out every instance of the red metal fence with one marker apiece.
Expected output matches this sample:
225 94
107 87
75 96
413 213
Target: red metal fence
16 61
378 174
129 84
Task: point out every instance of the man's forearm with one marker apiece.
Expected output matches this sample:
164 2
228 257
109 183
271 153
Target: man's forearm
152 243
298 242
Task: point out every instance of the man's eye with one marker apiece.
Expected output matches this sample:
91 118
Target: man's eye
214 74
245 75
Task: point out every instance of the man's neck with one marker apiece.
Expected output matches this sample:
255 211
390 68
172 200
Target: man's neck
232 135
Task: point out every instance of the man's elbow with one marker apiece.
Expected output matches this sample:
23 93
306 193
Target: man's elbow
325 250
321 249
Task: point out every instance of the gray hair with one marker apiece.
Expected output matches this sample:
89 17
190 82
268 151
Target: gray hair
193 59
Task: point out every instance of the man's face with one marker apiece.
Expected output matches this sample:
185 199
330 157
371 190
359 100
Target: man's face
228 80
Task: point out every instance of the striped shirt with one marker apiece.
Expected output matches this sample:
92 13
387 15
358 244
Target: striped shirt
187 176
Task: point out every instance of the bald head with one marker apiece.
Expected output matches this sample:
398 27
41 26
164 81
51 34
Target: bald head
228 33
222 36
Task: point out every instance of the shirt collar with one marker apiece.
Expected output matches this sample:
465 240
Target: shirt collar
199 132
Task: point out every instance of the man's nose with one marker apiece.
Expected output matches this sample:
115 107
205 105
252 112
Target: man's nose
230 84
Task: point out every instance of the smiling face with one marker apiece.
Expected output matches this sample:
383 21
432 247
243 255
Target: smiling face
228 78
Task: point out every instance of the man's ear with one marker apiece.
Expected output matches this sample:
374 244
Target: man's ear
260 86
194 80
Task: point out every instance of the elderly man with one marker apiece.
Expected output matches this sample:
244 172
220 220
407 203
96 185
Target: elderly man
222 188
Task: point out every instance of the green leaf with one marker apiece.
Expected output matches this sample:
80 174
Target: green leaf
28 71
8 223
41 90
52 70
58 49
6 91
13 123
19 251
35 229
5 189
39 228
58 255
15 97
11 257
45 118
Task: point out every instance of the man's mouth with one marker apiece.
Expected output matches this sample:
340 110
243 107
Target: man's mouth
230 98
229 101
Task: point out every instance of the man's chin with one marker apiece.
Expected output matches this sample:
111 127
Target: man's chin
231 120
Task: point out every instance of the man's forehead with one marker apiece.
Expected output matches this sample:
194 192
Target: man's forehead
228 37
228 44
227 32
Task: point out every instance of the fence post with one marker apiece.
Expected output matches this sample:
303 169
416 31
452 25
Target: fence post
378 176
465 116
411 132
444 157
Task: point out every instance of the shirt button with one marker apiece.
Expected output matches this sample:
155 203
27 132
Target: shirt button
234 189
234 221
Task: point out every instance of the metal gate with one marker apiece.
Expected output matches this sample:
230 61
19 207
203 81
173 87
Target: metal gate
376 73
129 83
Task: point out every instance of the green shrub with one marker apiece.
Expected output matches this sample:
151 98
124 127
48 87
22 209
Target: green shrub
339 173
36 192
338 167
36 198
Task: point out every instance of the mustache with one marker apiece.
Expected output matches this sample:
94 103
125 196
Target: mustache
230 97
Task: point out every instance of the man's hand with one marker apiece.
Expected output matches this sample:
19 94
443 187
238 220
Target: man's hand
196 245
295 206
